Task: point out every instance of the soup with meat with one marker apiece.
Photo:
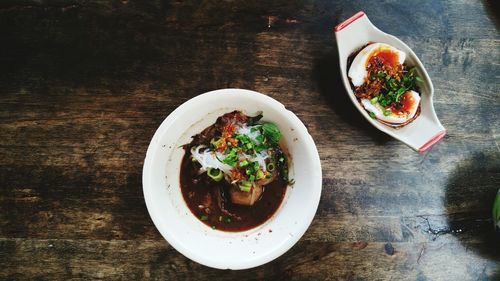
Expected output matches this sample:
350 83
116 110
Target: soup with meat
234 174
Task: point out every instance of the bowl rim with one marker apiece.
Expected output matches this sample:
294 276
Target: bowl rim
179 245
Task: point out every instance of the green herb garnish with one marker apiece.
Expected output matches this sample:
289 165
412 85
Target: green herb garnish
271 132
393 88
231 157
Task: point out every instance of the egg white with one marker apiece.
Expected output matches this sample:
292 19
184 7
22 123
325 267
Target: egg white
357 71
393 118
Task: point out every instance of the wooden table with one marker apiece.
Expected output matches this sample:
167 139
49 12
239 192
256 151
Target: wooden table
84 85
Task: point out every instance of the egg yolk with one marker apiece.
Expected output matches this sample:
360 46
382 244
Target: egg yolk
406 101
384 57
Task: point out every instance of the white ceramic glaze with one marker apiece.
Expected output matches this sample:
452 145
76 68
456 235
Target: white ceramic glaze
192 238
424 131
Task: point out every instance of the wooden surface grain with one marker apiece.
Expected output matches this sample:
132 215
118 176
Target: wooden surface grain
84 85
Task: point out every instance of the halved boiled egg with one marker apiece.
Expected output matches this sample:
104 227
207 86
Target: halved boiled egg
386 54
408 102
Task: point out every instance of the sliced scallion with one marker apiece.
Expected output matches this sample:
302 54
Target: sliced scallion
245 186
270 167
215 174
259 175
216 142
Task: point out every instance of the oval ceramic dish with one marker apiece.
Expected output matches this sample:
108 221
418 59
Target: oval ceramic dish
425 130
187 234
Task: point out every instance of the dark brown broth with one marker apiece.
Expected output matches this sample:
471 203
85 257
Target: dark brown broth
196 189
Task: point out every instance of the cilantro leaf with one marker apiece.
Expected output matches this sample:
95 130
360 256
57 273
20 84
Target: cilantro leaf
271 132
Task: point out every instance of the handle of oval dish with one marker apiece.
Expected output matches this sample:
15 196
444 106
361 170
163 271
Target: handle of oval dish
424 132
348 21
432 141
353 33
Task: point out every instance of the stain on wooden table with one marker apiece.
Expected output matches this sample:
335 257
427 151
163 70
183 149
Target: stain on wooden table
84 85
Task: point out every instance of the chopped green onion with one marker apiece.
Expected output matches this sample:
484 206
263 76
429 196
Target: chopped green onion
374 100
260 174
245 186
227 220
270 167
418 79
216 142
392 83
204 217
372 115
251 178
243 163
387 112
215 174
383 101
231 158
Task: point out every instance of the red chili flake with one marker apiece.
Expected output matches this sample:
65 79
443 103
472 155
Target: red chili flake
228 130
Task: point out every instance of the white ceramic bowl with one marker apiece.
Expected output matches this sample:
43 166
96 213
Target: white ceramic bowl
192 238
425 130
